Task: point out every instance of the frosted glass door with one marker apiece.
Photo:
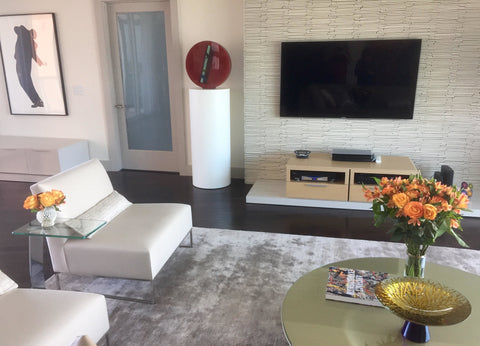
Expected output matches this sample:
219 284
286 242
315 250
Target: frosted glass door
146 71
143 56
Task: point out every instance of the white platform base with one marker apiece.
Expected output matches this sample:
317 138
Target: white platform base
273 192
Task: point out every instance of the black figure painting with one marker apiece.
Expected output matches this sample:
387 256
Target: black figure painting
31 64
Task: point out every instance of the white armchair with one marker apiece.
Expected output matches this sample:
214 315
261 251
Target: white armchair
136 241
30 317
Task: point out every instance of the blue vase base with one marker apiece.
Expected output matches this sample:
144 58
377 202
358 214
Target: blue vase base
415 332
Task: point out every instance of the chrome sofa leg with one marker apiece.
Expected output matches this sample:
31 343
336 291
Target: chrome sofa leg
137 300
191 240
153 291
57 280
107 341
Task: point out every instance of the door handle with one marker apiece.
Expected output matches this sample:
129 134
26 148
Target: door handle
121 106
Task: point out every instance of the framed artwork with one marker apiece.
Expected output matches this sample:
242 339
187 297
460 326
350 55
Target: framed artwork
31 64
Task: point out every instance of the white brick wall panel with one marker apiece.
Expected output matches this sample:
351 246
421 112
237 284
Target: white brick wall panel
447 117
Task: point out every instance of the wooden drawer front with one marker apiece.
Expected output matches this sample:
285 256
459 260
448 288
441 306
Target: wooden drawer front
333 192
357 194
13 161
44 162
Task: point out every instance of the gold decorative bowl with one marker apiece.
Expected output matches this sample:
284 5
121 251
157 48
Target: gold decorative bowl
422 301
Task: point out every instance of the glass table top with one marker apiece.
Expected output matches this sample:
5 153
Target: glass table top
63 228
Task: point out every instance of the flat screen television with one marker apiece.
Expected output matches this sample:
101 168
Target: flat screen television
349 79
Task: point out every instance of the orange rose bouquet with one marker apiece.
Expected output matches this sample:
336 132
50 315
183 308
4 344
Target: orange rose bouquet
421 210
43 200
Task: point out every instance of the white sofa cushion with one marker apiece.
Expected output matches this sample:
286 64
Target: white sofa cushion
31 317
107 208
83 185
134 245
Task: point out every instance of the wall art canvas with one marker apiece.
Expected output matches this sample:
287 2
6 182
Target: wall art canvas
31 64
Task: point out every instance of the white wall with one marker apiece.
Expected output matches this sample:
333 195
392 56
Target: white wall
85 95
90 97
220 21
446 122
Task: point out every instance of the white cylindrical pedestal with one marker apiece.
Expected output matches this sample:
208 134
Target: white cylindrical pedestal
210 131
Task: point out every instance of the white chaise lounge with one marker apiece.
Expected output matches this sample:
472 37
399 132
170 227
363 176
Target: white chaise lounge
136 241
30 317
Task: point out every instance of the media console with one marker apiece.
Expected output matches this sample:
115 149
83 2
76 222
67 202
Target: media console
319 177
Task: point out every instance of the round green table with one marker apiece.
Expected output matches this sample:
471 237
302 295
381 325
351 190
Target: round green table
309 319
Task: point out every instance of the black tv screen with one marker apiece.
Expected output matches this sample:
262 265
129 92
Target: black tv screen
351 79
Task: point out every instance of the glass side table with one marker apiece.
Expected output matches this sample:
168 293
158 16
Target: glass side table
63 228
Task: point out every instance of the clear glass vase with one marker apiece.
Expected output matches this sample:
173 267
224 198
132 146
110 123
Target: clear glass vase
415 265
46 217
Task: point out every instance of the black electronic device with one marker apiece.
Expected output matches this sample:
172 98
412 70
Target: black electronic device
349 79
296 175
368 178
302 154
355 155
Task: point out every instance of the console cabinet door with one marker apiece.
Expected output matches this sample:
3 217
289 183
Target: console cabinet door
13 161
43 162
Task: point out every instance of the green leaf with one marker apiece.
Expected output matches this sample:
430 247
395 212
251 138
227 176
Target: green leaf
397 232
377 208
457 237
379 219
397 236
444 227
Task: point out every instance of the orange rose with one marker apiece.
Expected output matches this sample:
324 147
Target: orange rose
454 223
31 202
59 196
47 199
429 212
400 199
413 210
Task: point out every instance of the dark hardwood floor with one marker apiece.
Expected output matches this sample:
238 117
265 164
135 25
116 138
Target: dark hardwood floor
220 208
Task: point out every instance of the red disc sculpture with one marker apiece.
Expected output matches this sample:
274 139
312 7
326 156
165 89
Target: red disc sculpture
208 64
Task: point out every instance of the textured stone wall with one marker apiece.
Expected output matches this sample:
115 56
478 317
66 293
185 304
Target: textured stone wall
446 124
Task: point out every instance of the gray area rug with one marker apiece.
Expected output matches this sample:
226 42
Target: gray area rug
228 289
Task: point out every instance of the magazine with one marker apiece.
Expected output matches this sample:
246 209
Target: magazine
353 285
